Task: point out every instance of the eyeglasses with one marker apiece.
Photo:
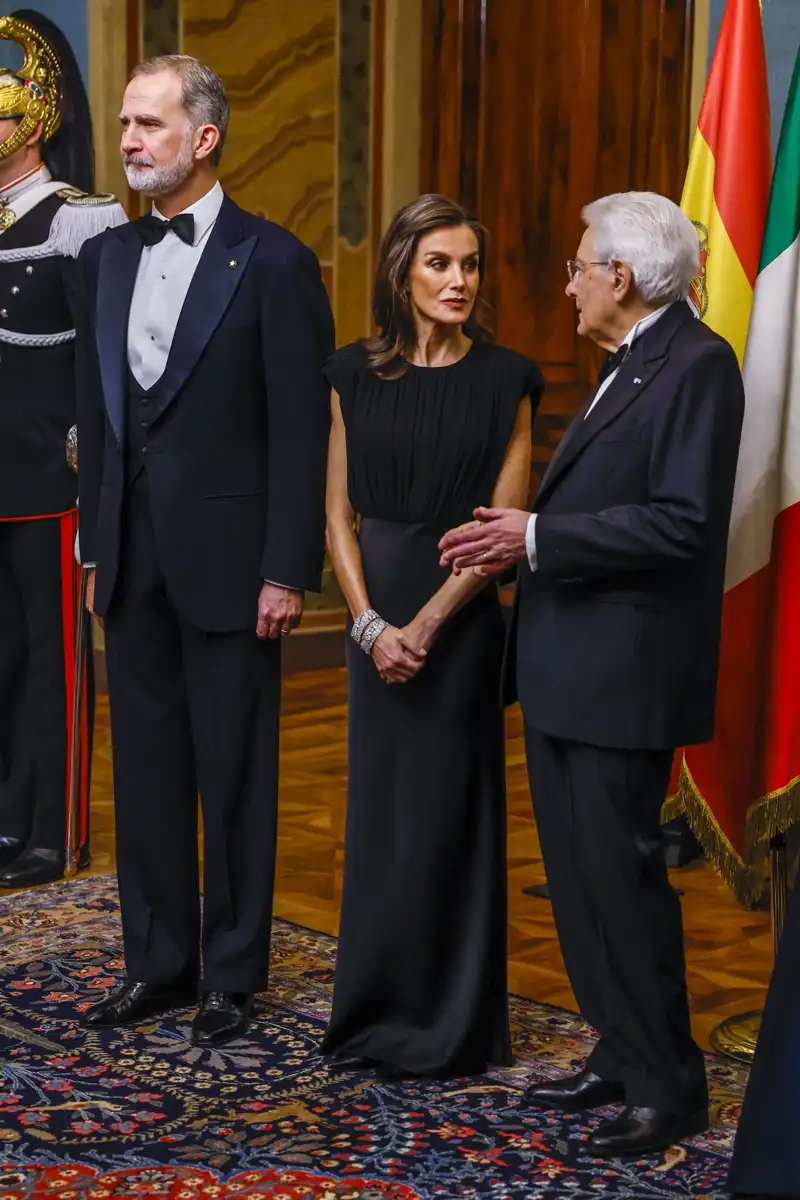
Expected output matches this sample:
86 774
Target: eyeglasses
575 266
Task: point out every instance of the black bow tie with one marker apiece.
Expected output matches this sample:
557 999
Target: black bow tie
153 229
611 364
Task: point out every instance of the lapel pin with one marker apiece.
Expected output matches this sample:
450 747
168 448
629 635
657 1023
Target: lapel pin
233 263
637 380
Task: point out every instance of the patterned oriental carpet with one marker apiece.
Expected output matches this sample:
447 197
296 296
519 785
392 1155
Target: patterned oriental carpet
141 1113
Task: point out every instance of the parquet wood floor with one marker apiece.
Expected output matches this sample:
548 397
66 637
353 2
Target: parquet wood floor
728 950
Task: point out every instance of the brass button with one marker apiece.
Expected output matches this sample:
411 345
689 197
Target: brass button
29 270
3 313
233 263
15 291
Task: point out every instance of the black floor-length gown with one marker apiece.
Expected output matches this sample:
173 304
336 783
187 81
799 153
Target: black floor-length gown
766 1161
421 979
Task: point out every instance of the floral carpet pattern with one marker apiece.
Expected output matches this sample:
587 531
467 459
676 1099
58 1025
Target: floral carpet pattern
139 1112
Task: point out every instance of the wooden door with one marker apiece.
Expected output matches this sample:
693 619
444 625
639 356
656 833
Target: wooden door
532 108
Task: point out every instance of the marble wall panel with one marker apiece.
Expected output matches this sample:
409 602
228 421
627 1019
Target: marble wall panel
278 61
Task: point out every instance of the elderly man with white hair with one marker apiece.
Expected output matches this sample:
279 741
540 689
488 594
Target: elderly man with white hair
617 630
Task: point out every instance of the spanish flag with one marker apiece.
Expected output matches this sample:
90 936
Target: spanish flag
722 786
727 185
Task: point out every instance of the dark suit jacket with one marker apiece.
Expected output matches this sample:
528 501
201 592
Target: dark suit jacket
236 453
618 628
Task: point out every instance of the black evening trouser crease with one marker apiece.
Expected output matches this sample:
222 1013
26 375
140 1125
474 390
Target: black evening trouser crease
618 917
190 710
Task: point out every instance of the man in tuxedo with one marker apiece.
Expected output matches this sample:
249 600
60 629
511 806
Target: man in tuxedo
203 422
617 642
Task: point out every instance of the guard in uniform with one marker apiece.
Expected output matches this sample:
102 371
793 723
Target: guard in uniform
47 211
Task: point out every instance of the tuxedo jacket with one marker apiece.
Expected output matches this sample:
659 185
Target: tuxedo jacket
236 443
618 628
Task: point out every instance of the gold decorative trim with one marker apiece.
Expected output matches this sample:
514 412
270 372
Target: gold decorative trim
33 96
81 199
772 814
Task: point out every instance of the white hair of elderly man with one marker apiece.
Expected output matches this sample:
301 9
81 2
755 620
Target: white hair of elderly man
653 236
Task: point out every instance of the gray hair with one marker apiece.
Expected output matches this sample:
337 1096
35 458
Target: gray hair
653 236
203 94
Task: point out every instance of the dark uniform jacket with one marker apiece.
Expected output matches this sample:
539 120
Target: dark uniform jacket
37 388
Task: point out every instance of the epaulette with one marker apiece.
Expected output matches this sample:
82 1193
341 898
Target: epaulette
83 215
81 199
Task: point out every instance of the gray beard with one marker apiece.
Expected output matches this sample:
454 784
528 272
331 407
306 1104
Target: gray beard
159 181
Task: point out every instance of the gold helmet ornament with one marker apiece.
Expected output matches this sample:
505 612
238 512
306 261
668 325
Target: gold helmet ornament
32 94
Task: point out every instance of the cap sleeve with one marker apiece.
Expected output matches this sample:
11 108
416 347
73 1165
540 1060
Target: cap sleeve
344 369
532 383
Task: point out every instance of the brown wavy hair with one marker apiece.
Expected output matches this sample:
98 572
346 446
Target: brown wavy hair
391 301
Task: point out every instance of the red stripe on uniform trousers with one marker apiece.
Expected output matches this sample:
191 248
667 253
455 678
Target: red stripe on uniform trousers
70 598
42 516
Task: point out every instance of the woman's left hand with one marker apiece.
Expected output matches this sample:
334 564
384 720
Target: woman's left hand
420 633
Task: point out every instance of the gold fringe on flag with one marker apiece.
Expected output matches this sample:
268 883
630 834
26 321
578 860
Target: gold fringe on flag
771 815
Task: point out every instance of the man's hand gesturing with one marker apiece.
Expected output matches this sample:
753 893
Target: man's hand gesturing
491 544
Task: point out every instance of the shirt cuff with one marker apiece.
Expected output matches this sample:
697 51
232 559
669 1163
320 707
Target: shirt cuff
287 587
530 541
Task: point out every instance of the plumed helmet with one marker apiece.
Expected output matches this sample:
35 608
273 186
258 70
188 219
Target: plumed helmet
47 90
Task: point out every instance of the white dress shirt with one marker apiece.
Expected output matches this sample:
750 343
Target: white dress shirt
165 273
636 331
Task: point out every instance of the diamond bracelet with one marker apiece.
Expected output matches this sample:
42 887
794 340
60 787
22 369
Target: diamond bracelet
371 634
360 624
367 628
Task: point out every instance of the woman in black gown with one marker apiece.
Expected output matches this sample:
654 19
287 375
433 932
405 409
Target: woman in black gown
428 422
766 1161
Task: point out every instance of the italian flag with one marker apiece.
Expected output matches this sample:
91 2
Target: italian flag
740 788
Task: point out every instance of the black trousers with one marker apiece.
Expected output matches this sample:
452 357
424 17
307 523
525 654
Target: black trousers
189 710
618 918
38 607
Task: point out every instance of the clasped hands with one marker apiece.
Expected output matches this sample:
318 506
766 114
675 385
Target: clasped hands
400 654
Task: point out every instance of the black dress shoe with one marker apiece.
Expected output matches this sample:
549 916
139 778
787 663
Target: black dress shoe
638 1131
36 865
33 866
391 1073
576 1093
222 1016
135 1002
10 848
350 1062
